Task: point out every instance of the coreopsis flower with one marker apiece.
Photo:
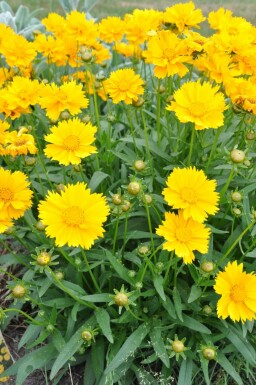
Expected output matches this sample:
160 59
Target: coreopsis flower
190 190
111 29
184 236
51 48
124 84
15 195
69 96
217 19
168 53
70 141
200 104
18 52
128 50
242 93
55 23
20 143
85 31
183 16
73 221
238 295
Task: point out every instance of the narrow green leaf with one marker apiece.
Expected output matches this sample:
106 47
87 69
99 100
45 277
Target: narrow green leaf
103 297
103 320
177 303
158 345
70 348
96 180
98 357
229 368
193 324
131 344
119 268
159 283
194 293
185 374
204 365
169 307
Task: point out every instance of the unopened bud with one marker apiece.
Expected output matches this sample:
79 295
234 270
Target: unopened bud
43 259
134 188
19 291
121 299
237 156
116 199
207 266
126 206
139 165
178 346
236 196
40 226
209 353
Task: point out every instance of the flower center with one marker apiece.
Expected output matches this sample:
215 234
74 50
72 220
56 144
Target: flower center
197 109
189 195
6 194
73 216
183 235
71 143
237 293
123 85
20 142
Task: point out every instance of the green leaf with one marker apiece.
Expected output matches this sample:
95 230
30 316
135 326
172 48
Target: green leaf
89 376
194 293
204 365
35 360
103 297
159 283
103 320
229 368
185 374
98 357
119 268
177 303
70 348
96 180
158 345
128 348
242 345
193 324
169 307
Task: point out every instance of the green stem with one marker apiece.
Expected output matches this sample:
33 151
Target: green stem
168 267
125 233
115 235
224 189
25 315
213 149
147 143
148 263
150 226
191 146
158 113
90 271
63 287
128 114
236 241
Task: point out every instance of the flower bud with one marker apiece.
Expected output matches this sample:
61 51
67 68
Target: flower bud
86 56
143 250
247 163
160 266
148 199
161 89
78 261
139 102
60 187
207 310
65 115
209 353
116 199
43 259
236 211
19 291
207 266
60 275
50 328
236 196
86 119
139 165
111 118
40 226
131 273
138 285
134 188
87 335
29 160
126 206
250 135
100 76
178 346
237 156
121 299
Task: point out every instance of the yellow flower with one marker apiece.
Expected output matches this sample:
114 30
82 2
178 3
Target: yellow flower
124 85
20 143
183 16
238 295
168 53
73 221
184 236
17 51
68 96
5 224
55 23
70 141
128 50
4 126
15 195
190 190
111 29
199 103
